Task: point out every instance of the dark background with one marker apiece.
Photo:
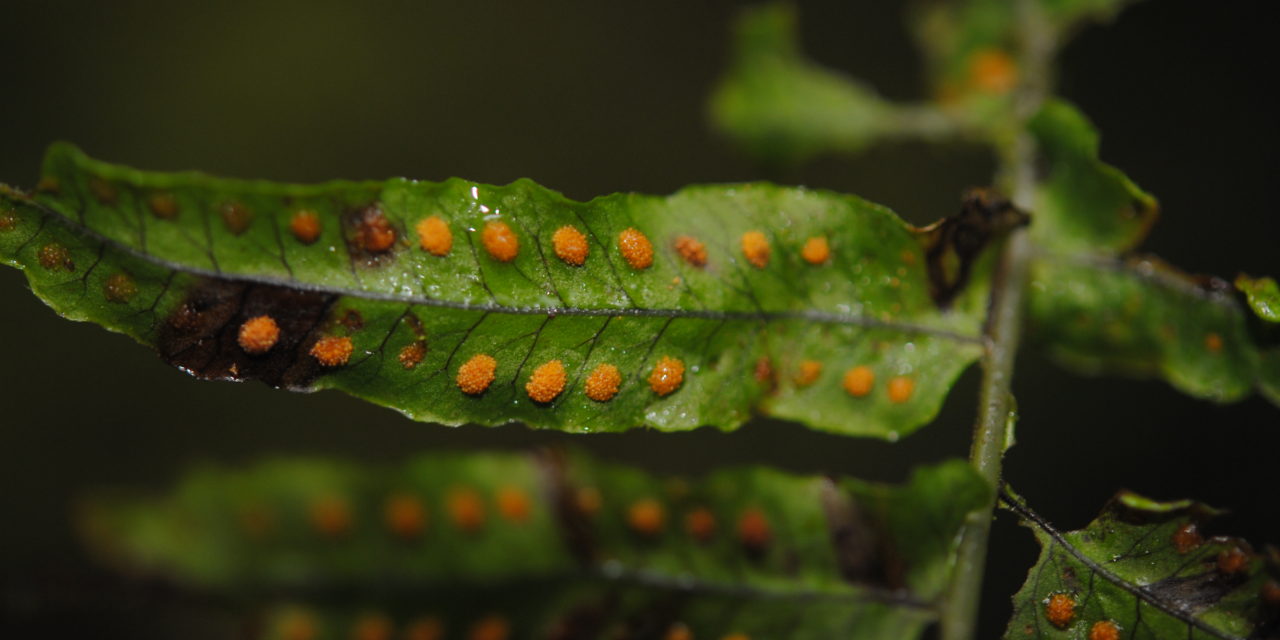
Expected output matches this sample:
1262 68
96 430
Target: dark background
588 98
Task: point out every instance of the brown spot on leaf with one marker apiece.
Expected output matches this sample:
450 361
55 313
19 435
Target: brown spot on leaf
678 631
952 245
201 334
372 232
119 288
754 531
764 370
48 184
992 71
428 628
352 320
700 524
1270 593
163 205
257 520
412 354
235 216
1186 538
297 625
1060 610
103 191
1233 560
54 256
8 220
330 515
1213 342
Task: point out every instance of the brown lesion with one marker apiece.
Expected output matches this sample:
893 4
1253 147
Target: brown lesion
952 245
370 235
201 334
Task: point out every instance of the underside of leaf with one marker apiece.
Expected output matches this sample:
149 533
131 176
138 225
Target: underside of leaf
1144 569
459 302
548 541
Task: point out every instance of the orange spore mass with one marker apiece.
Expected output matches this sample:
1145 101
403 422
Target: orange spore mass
8 221
54 256
119 288
901 388
646 517
635 248
547 382
570 245
412 354
667 375
700 524
425 629
1233 561
1213 342
258 334
692 250
513 504
1060 610
372 627
808 372
603 382
330 515
588 500
163 205
1187 538
332 351
305 226
816 250
405 515
1104 630
753 529
475 375
859 380
434 236
297 625
490 628
755 246
466 509
992 71
500 241
374 232
678 631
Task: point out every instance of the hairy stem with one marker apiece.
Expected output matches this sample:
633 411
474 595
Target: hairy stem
996 403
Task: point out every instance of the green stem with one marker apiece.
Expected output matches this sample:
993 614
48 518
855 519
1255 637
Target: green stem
996 403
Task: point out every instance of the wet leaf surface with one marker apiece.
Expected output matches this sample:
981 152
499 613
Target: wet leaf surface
1144 569
458 302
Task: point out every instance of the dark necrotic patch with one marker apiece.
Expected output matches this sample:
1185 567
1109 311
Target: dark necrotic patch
200 336
370 236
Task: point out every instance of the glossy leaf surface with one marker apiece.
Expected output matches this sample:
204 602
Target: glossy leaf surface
535 538
1263 295
1141 316
746 298
1144 569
